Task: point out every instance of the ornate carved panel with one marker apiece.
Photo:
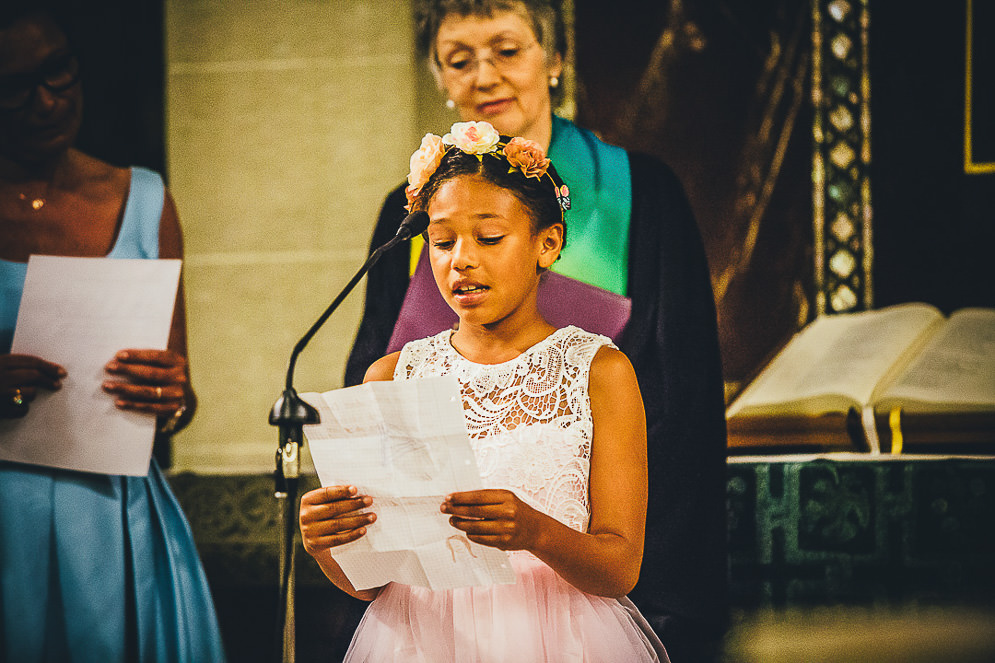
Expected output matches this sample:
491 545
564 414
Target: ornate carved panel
841 156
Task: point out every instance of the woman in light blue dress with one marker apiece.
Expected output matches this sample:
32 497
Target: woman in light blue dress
92 567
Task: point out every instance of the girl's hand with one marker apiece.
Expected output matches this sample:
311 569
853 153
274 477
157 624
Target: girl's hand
495 517
330 517
154 381
20 378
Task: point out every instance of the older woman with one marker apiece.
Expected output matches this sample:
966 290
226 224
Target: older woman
92 567
631 232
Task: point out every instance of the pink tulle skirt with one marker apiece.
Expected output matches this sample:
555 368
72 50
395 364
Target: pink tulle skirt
539 618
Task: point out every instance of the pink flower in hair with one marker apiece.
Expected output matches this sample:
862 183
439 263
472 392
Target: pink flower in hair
425 160
527 155
410 193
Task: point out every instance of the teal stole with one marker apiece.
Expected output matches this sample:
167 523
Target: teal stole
597 174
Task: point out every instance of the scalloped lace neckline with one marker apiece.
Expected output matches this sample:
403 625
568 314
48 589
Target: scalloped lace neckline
447 343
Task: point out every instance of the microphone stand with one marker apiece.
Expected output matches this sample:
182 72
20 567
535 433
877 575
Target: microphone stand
290 413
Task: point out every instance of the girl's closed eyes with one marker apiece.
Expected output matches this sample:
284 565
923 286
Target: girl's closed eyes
444 244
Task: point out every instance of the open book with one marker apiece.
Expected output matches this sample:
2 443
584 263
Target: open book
907 356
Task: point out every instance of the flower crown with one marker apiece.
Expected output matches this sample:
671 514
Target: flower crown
479 139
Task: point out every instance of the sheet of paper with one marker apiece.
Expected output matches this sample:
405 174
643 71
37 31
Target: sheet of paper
78 312
405 444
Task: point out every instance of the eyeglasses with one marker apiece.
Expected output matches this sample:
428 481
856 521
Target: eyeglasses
57 75
505 56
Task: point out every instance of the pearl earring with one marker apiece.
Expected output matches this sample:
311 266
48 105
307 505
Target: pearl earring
554 81
450 104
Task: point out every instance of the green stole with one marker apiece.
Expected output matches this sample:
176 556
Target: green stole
597 174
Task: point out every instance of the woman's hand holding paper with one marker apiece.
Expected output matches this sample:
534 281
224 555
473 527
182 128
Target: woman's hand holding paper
20 378
152 381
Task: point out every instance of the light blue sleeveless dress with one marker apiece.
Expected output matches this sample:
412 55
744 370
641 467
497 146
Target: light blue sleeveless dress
93 567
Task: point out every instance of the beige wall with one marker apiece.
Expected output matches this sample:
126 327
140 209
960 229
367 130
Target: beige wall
287 122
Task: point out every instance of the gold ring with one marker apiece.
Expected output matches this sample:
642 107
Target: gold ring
158 393
17 398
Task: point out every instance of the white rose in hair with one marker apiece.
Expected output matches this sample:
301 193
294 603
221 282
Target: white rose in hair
473 137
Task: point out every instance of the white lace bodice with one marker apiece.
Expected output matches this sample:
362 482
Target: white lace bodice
529 419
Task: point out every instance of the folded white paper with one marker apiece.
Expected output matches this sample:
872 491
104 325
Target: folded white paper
405 444
79 312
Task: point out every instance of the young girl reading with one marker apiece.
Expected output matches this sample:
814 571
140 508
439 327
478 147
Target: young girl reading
555 419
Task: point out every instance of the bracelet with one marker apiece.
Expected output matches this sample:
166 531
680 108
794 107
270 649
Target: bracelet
169 427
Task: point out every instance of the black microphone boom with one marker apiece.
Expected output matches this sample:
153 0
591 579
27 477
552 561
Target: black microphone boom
413 224
290 413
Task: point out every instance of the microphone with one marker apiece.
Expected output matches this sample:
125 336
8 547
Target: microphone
413 224
290 413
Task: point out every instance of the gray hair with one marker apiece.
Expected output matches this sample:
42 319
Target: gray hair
545 16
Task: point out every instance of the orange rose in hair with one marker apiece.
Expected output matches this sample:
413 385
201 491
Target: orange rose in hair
527 155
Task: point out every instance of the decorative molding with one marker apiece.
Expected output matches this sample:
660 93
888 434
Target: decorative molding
235 522
860 532
800 533
841 191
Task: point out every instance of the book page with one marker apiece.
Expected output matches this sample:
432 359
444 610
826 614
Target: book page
837 361
955 371
404 443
